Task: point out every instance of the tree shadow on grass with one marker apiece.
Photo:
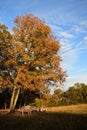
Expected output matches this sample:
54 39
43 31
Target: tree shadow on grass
43 121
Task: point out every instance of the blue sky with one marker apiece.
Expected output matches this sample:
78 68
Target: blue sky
68 21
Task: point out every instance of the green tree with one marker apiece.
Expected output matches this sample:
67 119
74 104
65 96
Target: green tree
55 99
75 94
82 92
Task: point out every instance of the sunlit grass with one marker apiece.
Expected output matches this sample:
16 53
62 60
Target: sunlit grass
75 109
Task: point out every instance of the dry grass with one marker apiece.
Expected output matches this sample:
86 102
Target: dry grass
75 109
56 118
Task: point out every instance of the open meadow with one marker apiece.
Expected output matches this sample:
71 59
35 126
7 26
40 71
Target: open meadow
72 117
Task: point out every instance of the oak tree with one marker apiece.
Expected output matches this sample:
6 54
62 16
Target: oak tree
34 62
36 54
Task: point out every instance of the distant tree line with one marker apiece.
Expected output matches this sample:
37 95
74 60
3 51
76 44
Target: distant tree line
76 94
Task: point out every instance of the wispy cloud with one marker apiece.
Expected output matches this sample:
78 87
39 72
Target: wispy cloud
70 52
85 39
66 35
81 27
66 46
84 23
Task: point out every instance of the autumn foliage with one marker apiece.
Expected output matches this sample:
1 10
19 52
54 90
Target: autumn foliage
30 57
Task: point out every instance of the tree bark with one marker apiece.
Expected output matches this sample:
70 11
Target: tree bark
14 98
5 105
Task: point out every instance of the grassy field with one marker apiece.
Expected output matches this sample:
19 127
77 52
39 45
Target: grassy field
74 109
56 118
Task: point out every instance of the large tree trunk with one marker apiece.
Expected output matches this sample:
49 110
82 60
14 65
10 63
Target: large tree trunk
14 98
